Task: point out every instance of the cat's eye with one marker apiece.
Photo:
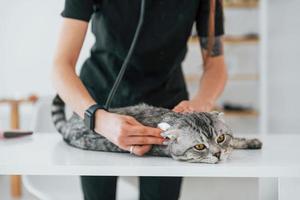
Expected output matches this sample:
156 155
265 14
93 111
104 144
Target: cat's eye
200 147
220 138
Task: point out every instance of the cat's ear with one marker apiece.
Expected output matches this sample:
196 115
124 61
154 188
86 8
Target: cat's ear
218 115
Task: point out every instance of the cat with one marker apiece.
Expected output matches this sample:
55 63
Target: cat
201 137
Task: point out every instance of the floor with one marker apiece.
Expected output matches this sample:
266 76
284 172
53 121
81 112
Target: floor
5 191
127 190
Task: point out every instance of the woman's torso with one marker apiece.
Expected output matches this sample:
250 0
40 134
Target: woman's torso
154 74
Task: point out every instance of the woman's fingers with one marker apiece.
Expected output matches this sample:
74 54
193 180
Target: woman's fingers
132 120
136 128
178 109
131 127
144 131
184 106
140 150
181 107
189 109
144 140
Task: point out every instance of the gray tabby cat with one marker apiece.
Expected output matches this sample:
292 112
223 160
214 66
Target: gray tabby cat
193 137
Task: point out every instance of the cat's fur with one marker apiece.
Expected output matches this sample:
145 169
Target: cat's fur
184 132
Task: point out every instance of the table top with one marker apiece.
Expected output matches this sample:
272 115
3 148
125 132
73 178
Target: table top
47 154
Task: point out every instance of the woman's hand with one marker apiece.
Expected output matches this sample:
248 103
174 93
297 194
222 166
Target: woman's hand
125 131
194 105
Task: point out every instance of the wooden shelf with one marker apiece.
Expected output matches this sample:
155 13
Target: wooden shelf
232 39
241 39
241 5
30 99
250 113
237 77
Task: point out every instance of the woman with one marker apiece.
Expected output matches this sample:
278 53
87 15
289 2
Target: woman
154 74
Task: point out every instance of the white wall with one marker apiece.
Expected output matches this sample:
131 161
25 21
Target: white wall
29 30
28 34
283 67
28 37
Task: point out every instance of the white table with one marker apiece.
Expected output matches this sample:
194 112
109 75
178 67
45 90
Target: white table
47 154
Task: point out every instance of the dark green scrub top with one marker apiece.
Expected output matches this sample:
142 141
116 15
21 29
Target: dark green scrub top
154 73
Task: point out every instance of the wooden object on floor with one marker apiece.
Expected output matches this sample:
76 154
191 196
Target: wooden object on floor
15 180
229 39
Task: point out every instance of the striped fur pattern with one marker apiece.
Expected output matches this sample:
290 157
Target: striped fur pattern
185 133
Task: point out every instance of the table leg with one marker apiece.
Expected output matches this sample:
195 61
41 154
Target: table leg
14 115
288 188
268 188
15 186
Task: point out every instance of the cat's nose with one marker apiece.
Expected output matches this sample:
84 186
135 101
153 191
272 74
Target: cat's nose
217 154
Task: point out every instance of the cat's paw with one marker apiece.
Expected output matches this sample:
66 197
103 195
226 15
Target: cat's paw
254 144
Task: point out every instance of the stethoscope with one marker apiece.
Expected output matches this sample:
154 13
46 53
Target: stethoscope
127 58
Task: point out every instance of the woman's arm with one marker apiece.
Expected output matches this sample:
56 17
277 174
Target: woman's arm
65 80
212 82
124 131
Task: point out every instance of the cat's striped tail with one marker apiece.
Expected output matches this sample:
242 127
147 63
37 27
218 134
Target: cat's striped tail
58 113
75 133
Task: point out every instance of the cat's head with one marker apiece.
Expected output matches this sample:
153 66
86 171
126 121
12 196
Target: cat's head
197 137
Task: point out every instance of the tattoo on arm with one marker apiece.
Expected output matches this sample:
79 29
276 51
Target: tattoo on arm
217 49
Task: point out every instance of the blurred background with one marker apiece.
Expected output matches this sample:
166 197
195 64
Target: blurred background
261 48
261 54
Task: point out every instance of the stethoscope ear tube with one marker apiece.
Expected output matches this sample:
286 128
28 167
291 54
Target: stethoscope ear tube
128 56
